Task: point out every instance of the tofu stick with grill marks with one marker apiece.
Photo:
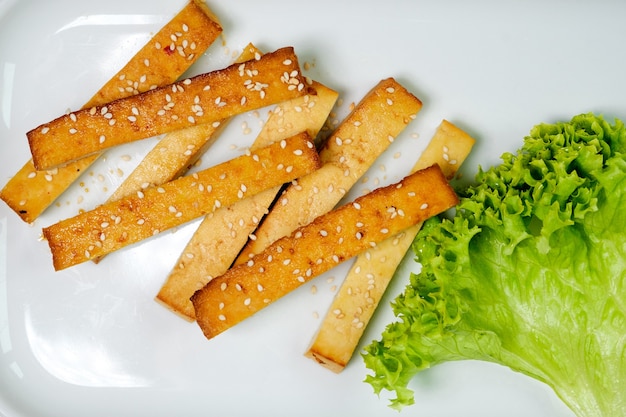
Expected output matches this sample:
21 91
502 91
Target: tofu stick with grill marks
372 270
319 246
354 146
220 236
205 98
136 217
160 62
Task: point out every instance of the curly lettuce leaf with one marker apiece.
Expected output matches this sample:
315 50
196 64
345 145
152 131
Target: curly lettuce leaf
530 273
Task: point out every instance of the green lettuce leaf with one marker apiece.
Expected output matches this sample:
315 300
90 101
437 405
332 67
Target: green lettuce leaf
530 273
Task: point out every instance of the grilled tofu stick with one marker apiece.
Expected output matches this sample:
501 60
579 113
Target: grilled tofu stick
205 98
315 248
361 291
120 223
160 62
220 236
365 134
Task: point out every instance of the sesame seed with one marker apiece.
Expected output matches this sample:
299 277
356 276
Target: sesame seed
246 302
221 317
223 286
73 131
424 206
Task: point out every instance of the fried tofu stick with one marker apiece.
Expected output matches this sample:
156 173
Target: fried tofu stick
220 236
365 134
319 246
117 224
160 62
205 98
371 272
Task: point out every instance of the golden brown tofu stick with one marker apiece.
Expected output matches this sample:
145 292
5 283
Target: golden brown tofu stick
136 217
160 62
319 246
372 270
220 236
365 134
205 98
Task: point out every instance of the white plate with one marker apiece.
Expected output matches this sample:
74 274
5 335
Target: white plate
91 341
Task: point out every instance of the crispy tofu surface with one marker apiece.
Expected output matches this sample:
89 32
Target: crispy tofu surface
136 217
205 98
315 248
177 151
221 236
160 62
368 278
365 134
